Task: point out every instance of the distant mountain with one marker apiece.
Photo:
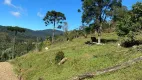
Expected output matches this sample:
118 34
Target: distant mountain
32 33
42 33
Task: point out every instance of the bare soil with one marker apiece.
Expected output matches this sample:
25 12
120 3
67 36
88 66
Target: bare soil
6 72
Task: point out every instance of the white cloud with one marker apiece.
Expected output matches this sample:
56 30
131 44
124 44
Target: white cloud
15 13
39 14
9 3
18 8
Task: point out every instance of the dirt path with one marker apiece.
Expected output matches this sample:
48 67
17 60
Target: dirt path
6 71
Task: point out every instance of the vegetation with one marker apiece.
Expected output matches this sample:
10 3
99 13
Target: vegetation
9 48
59 56
15 30
25 42
128 25
96 11
53 17
83 55
82 58
65 29
31 34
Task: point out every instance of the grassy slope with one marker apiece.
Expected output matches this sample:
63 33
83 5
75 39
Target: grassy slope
81 58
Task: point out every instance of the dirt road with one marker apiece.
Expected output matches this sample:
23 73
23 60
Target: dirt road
6 71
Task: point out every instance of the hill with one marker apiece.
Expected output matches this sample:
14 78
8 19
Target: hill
25 42
32 33
82 58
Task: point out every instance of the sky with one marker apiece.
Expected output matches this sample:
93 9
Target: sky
30 13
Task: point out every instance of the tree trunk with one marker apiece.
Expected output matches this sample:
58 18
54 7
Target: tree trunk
37 45
99 39
14 40
62 61
85 35
13 51
99 35
53 32
100 27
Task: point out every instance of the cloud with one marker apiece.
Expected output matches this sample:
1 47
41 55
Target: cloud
18 8
9 3
15 13
39 14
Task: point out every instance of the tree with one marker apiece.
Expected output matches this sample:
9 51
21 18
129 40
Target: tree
137 15
125 27
65 29
129 24
116 14
53 17
79 10
15 30
4 46
94 11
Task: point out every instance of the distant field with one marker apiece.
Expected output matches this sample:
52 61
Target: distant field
82 58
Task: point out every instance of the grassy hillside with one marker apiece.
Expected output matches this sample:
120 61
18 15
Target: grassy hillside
82 58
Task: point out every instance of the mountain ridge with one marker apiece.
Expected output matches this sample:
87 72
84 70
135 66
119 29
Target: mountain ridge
32 33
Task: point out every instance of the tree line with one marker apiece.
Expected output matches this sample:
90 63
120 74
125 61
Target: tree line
98 15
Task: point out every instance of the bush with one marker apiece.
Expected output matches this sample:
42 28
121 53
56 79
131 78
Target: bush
59 56
40 78
139 48
93 39
131 43
71 36
41 45
127 44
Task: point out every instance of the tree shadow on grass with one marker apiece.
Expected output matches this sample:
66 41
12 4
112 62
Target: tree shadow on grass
104 41
128 44
94 39
109 40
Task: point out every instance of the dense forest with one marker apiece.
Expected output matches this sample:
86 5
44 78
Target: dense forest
25 41
32 33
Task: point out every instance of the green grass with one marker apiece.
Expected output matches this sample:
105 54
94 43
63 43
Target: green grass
81 59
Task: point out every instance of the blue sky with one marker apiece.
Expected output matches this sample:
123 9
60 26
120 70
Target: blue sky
29 13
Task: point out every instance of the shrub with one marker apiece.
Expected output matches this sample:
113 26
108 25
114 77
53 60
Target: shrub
93 39
131 43
59 56
127 44
139 48
41 46
40 78
71 36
